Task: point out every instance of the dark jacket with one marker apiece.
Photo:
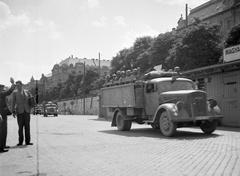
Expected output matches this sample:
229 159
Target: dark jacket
21 101
3 94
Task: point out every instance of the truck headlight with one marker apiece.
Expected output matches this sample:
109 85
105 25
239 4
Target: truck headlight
180 105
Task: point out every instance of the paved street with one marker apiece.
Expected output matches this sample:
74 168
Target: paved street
85 145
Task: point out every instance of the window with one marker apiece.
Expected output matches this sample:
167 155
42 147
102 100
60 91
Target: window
150 88
176 85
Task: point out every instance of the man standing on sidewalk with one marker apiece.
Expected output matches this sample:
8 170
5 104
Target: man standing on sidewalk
22 109
3 120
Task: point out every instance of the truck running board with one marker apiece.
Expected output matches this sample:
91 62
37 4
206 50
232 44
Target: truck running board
148 121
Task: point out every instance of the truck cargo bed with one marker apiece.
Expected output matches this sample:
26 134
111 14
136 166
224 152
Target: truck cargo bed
126 95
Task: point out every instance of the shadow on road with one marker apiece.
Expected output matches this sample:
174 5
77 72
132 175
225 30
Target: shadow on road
148 132
233 129
101 120
16 147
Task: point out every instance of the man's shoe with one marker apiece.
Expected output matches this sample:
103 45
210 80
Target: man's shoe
7 147
29 143
19 144
2 150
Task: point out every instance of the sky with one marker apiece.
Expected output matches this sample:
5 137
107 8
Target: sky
37 34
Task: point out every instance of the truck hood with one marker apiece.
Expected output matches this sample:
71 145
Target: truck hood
194 101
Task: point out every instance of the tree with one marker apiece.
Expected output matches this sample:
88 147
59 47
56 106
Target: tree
198 47
233 37
132 57
121 60
160 47
141 52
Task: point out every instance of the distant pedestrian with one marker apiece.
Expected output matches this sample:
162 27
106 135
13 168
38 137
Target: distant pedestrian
3 121
22 109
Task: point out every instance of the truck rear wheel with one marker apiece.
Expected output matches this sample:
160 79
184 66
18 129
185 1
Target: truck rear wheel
208 127
122 125
167 127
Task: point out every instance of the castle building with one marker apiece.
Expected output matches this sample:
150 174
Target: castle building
224 12
71 65
74 65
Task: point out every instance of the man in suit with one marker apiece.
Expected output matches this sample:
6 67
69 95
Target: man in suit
22 109
3 121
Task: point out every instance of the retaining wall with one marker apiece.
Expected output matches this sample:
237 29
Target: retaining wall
76 106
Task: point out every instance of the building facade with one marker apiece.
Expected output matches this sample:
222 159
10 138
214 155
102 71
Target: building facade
71 65
224 12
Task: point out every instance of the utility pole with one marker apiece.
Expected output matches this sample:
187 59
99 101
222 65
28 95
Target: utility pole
84 88
186 15
36 92
99 64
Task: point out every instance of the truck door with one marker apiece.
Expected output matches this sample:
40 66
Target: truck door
151 98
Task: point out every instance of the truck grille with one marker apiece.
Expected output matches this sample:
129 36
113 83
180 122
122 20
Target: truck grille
199 103
51 109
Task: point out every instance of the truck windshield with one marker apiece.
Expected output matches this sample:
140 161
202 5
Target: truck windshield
176 85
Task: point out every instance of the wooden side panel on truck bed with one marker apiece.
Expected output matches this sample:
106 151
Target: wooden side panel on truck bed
122 96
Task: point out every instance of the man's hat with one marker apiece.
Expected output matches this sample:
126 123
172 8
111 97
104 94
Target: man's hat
1 86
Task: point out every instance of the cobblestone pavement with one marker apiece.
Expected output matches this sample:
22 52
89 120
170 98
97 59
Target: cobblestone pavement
85 145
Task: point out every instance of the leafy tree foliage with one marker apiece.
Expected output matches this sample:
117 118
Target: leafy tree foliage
120 60
233 37
134 56
198 47
161 45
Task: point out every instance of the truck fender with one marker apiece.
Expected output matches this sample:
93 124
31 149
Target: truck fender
172 111
125 117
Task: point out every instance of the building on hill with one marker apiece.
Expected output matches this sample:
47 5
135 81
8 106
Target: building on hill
30 84
70 65
74 65
224 12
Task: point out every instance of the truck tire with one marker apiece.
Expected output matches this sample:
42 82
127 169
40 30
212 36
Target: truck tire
208 127
122 125
167 127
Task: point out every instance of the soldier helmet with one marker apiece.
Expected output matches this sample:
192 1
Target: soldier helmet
128 72
177 69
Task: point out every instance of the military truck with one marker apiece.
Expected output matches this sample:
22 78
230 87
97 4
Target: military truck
164 102
50 108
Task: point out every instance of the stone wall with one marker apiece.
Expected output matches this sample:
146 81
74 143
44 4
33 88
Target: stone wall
76 106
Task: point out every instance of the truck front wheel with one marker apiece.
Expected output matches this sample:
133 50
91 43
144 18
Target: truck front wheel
167 127
122 125
208 127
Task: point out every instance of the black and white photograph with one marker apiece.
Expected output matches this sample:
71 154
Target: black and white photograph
119 88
